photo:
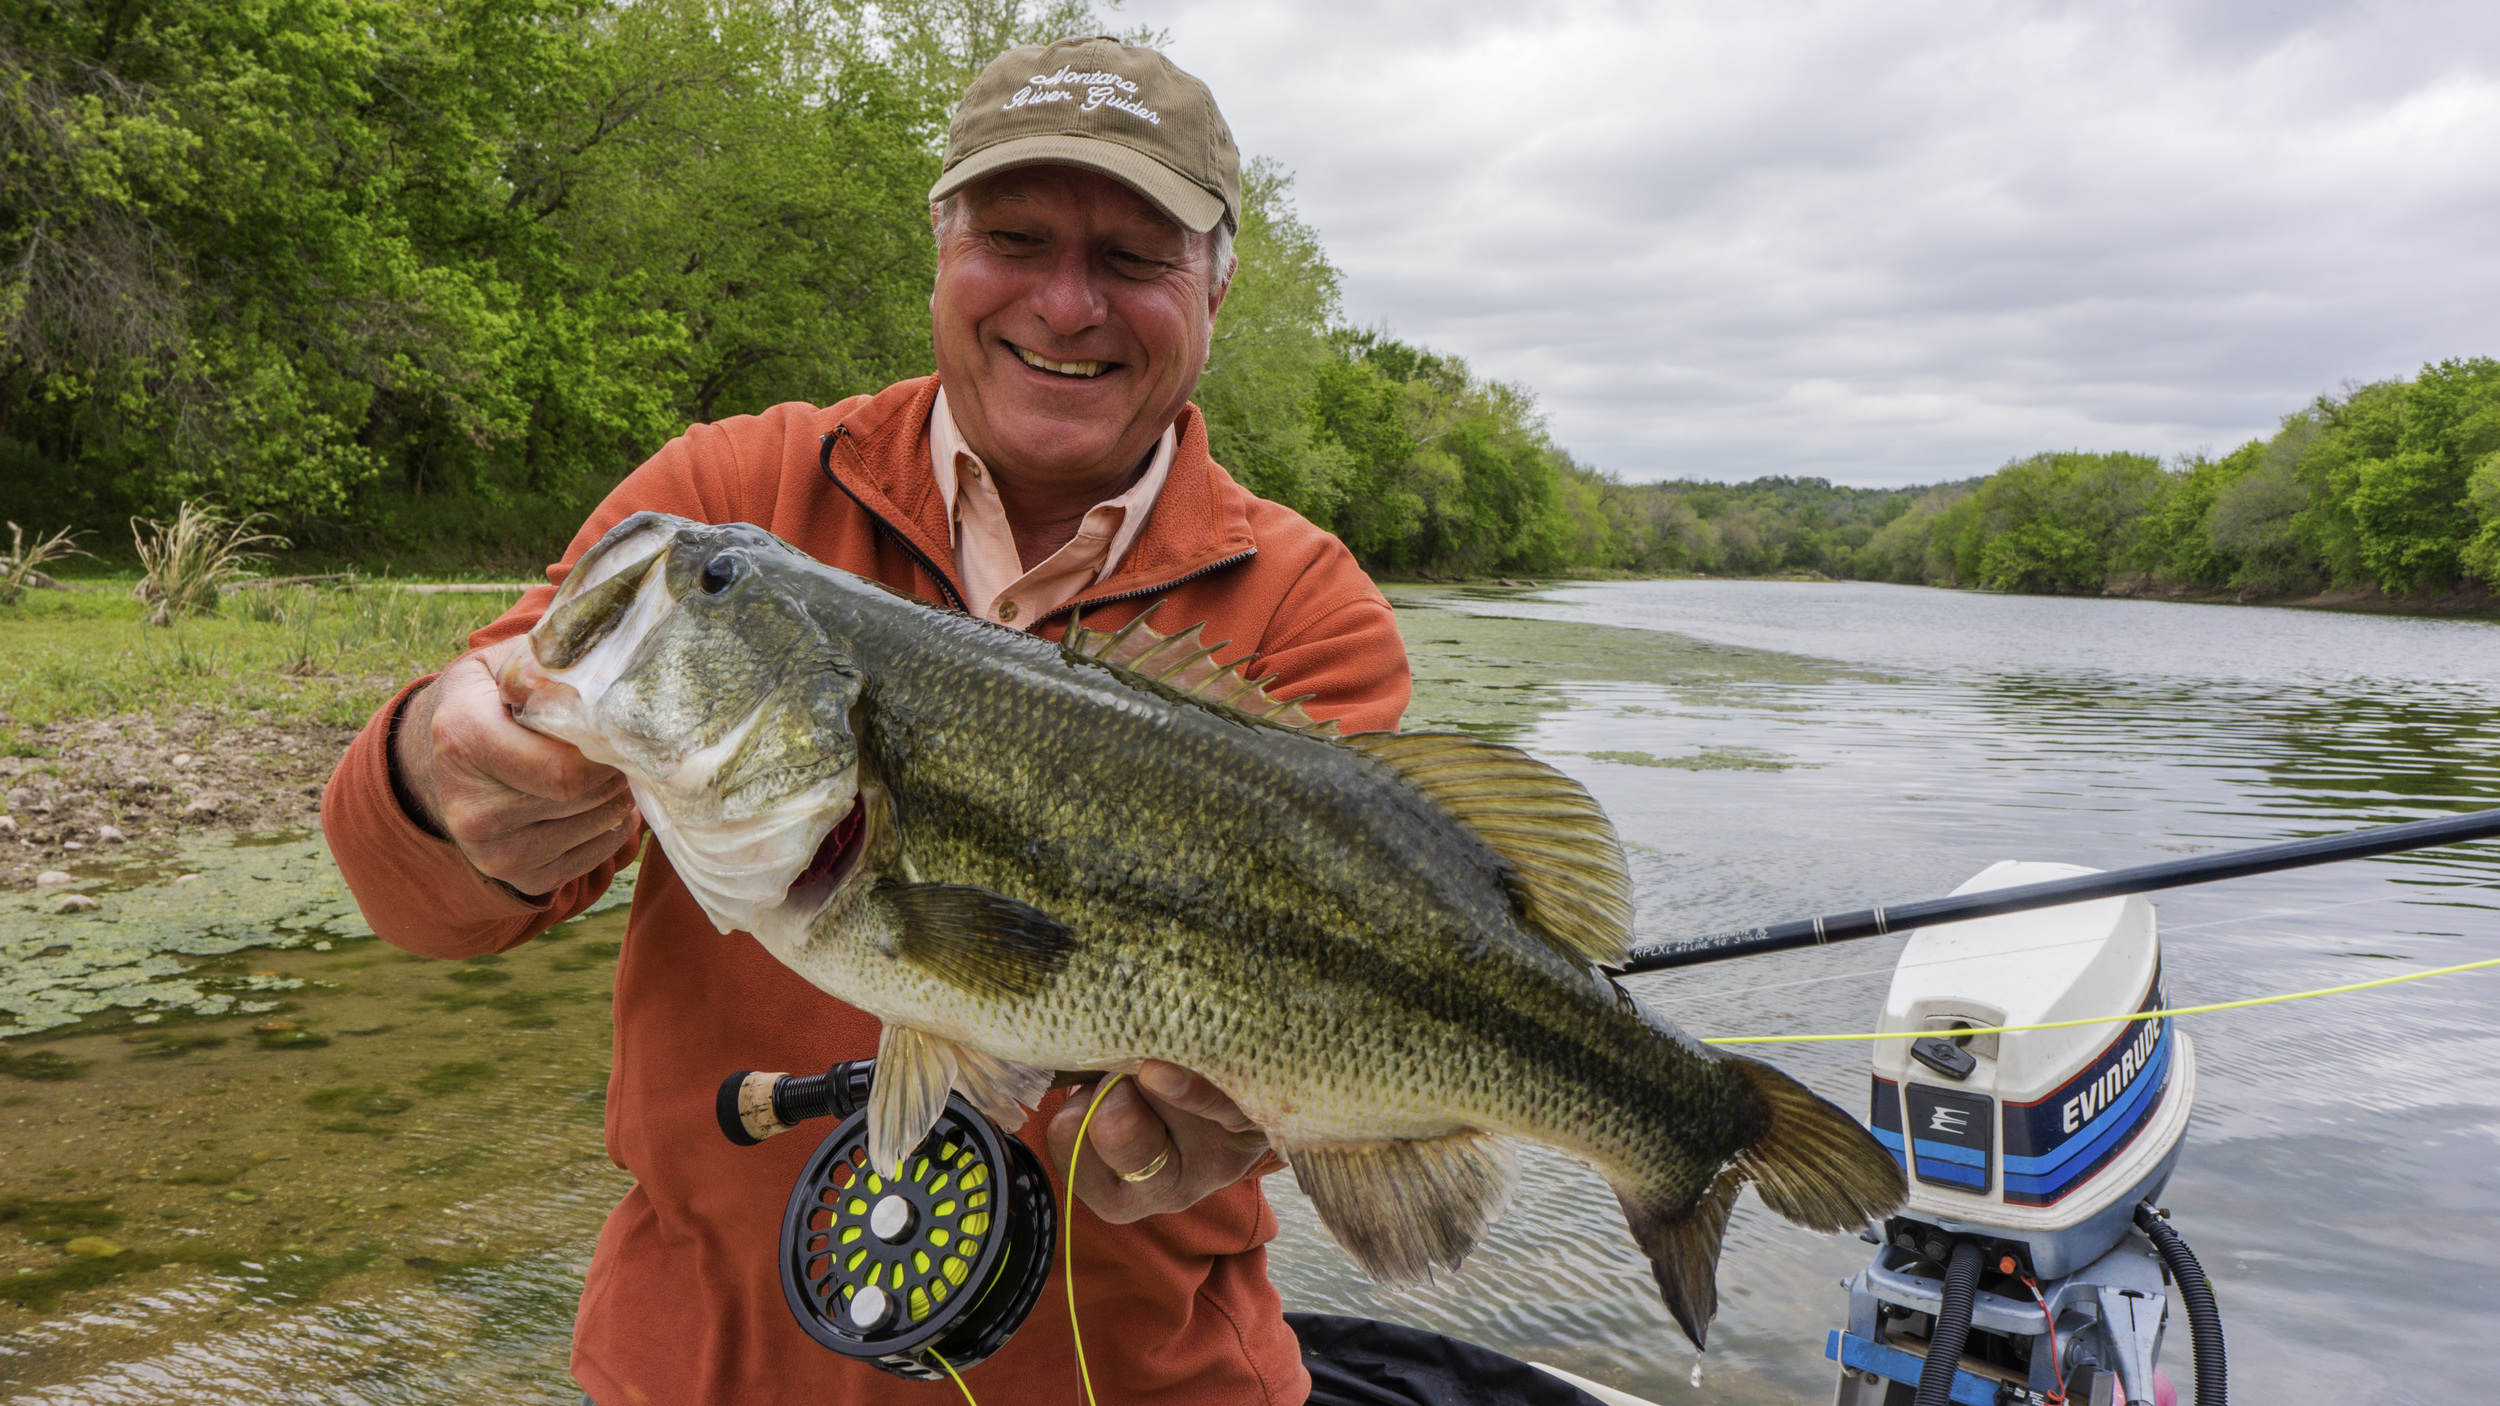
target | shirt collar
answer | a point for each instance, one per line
(1137, 504)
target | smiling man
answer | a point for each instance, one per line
(1053, 466)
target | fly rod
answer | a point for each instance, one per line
(2116, 883)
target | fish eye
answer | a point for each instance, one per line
(719, 574)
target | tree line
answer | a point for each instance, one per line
(425, 278)
(422, 279)
(2393, 485)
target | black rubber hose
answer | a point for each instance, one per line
(1952, 1331)
(2197, 1293)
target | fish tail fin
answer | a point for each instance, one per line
(1682, 1242)
(1813, 1163)
(1810, 1161)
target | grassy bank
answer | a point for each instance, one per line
(287, 654)
(120, 740)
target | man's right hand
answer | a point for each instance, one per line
(524, 808)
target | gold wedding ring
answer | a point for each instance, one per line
(1147, 1172)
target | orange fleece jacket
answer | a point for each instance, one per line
(683, 1304)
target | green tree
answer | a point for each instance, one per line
(2070, 520)
(2399, 471)
(1263, 389)
(339, 258)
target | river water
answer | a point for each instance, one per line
(1826, 746)
(1768, 750)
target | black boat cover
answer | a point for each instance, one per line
(1364, 1362)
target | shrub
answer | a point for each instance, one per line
(184, 566)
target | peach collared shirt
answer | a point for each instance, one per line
(996, 585)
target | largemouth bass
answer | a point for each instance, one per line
(1025, 856)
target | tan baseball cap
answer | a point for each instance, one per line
(1104, 106)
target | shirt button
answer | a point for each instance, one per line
(969, 469)
(1006, 610)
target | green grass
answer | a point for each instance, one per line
(300, 653)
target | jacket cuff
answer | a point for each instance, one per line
(397, 713)
(416, 888)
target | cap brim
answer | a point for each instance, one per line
(1173, 193)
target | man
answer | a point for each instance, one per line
(1054, 464)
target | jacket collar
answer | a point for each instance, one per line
(879, 455)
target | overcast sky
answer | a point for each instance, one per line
(1888, 243)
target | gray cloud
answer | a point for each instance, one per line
(1889, 244)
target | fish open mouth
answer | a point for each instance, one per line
(834, 860)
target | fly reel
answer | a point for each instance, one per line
(943, 1261)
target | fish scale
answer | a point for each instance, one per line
(1071, 857)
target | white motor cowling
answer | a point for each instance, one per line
(2049, 1137)
(2028, 1154)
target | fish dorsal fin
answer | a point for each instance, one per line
(1569, 882)
(1186, 664)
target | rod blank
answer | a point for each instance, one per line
(2083, 888)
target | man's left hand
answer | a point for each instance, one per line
(1212, 1145)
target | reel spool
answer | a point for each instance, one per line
(947, 1259)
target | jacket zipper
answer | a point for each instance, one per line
(1155, 590)
(824, 461)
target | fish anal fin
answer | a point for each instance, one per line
(1570, 884)
(1185, 664)
(1403, 1208)
(915, 1072)
(1682, 1243)
(1002, 1089)
(978, 941)
(1812, 1162)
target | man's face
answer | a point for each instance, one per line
(1071, 319)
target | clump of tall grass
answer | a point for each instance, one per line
(17, 569)
(187, 564)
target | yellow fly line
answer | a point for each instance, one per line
(2106, 1019)
(958, 1376)
(1067, 1238)
(1067, 1233)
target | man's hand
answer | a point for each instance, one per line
(524, 808)
(1212, 1145)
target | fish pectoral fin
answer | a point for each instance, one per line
(1682, 1243)
(982, 942)
(1568, 880)
(915, 1072)
(1003, 1089)
(1402, 1208)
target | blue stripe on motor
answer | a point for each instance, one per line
(1888, 1138)
(2155, 1072)
(1955, 1175)
(1947, 1152)
(2088, 1141)
(2051, 1185)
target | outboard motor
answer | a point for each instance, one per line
(2029, 1264)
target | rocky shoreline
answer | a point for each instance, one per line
(99, 793)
